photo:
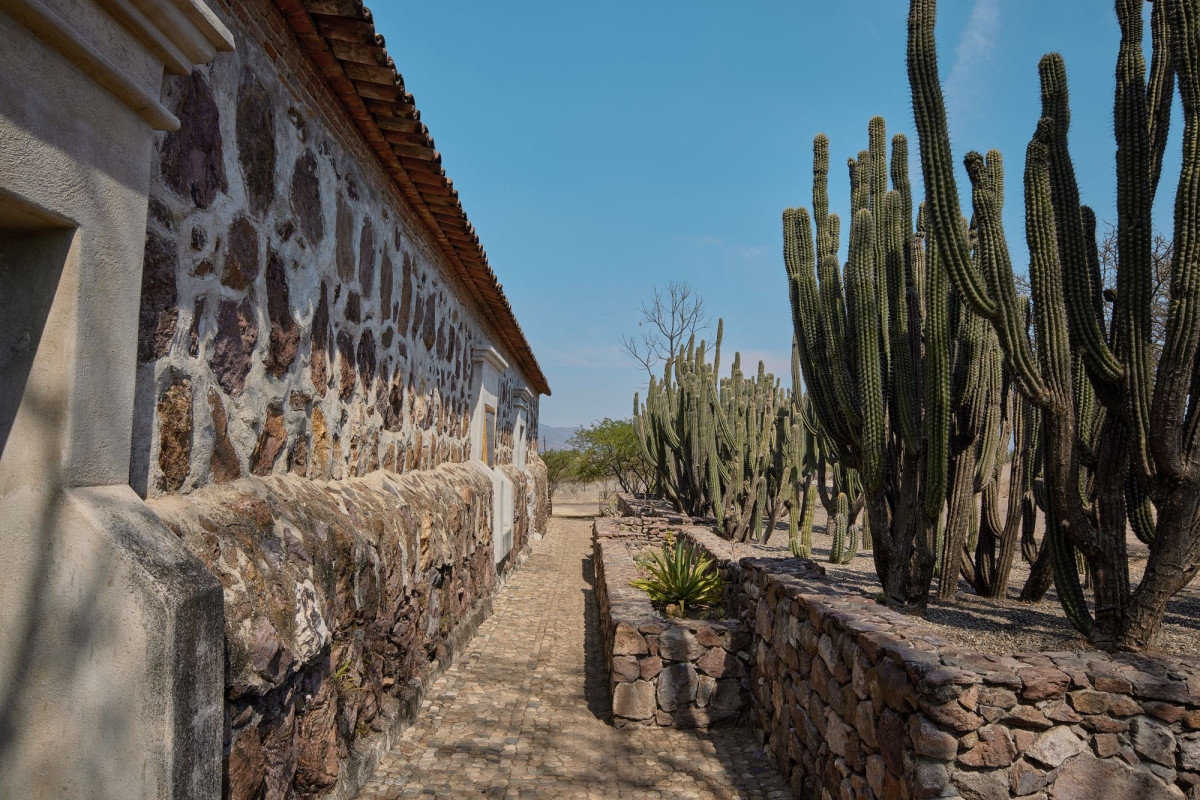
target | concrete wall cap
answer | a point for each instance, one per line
(489, 355)
(179, 33)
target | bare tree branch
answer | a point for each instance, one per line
(1161, 252)
(640, 351)
(668, 319)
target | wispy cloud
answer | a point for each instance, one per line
(587, 356)
(734, 250)
(975, 49)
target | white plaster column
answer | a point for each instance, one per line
(488, 366)
(111, 632)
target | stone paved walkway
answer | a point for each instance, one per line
(515, 717)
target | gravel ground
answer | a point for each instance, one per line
(1002, 625)
(1007, 625)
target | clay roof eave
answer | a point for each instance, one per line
(340, 38)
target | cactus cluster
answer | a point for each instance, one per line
(860, 332)
(906, 378)
(986, 416)
(731, 448)
(1119, 438)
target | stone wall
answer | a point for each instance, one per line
(538, 497)
(297, 317)
(342, 600)
(680, 673)
(857, 701)
(304, 399)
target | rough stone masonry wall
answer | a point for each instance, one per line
(296, 316)
(859, 701)
(680, 673)
(538, 496)
(305, 367)
(341, 599)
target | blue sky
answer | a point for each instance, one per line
(601, 149)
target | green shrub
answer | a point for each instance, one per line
(683, 577)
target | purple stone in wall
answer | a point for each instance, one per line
(418, 317)
(237, 334)
(285, 333)
(353, 309)
(385, 284)
(256, 142)
(406, 291)
(193, 162)
(366, 258)
(345, 241)
(428, 334)
(306, 197)
(241, 255)
(366, 358)
(319, 337)
(160, 298)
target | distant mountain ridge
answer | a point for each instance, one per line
(552, 438)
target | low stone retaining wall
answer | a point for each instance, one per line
(343, 601)
(855, 697)
(671, 672)
(857, 701)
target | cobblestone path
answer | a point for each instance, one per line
(516, 717)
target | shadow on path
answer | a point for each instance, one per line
(524, 712)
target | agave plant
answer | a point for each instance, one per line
(681, 576)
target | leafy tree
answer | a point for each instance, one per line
(561, 467)
(609, 449)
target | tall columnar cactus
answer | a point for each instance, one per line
(939, 538)
(998, 535)
(838, 543)
(980, 433)
(875, 348)
(844, 545)
(1144, 426)
(794, 448)
(800, 538)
